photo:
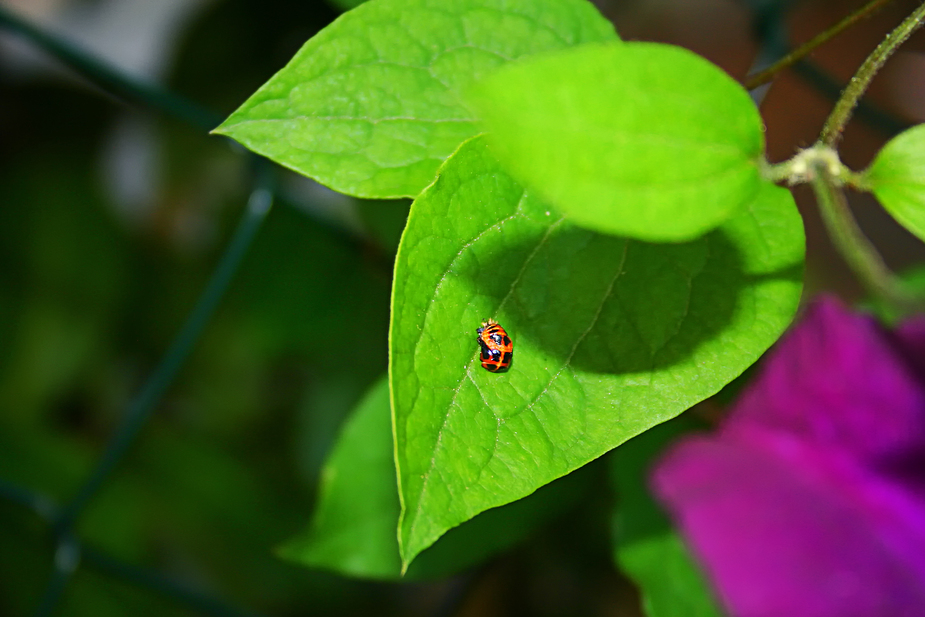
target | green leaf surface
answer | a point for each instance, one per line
(643, 140)
(353, 528)
(897, 178)
(646, 547)
(371, 105)
(611, 336)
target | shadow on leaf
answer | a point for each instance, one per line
(605, 304)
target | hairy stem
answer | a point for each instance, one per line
(858, 85)
(765, 75)
(854, 246)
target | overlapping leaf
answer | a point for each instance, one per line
(611, 336)
(371, 106)
(640, 139)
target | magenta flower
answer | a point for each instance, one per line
(810, 499)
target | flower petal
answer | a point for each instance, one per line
(810, 499)
(836, 380)
(776, 543)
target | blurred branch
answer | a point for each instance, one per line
(141, 577)
(67, 558)
(106, 77)
(143, 405)
(68, 551)
(37, 502)
(858, 85)
(764, 76)
(115, 82)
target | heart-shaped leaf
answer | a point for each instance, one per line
(370, 106)
(611, 336)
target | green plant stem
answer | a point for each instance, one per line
(858, 85)
(765, 75)
(854, 246)
(110, 80)
(851, 243)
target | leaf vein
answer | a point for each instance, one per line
(582, 336)
(429, 473)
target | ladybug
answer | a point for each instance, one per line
(497, 348)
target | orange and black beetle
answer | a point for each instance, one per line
(497, 348)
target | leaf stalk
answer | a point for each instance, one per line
(854, 247)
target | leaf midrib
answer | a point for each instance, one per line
(429, 473)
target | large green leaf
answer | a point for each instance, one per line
(646, 546)
(371, 105)
(897, 178)
(353, 529)
(644, 140)
(611, 336)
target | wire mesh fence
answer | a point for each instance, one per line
(70, 552)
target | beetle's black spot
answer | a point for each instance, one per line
(507, 357)
(507, 340)
(497, 338)
(486, 354)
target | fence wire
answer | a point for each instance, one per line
(70, 552)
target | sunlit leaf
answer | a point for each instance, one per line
(371, 105)
(643, 140)
(611, 336)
